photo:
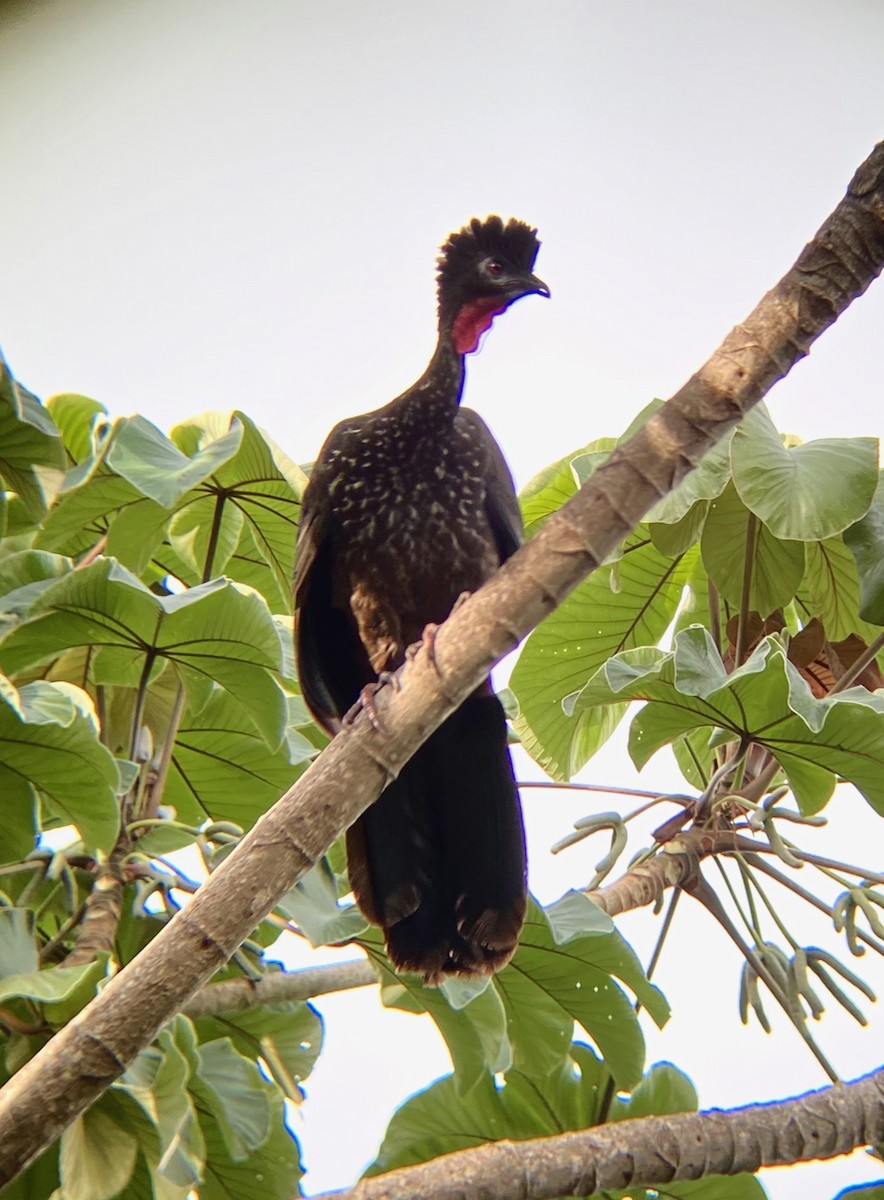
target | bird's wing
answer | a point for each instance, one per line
(501, 503)
(332, 662)
(312, 594)
(310, 537)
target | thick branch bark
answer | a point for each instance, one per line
(100, 918)
(95, 1048)
(652, 1151)
(671, 867)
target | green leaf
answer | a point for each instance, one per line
(865, 540)
(558, 482)
(678, 537)
(25, 575)
(63, 990)
(18, 950)
(664, 1089)
(31, 451)
(74, 417)
(239, 1104)
(765, 701)
(711, 1187)
(223, 770)
(261, 482)
(58, 1013)
(86, 509)
(313, 905)
(135, 533)
(97, 1157)
(158, 1082)
(152, 463)
(603, 615)
(291, 1032)
(250, 566)
(830, 590)
(135, 467)
(558, 976)
(205, 533)
(475, 1031)
(707, 481)
(777, 566)
(216, 632)
(695, 758)
(49, 743)
(441, 1120)
(19, 823)
(808, 492)
(276, 1163)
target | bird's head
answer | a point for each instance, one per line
(483, 269)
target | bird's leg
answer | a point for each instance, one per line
(428, 637)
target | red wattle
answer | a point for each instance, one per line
(472, 321)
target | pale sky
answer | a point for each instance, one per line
(210, 204)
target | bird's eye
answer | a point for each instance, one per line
(494, 267)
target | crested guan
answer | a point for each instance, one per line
(407, 508)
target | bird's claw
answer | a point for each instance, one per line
(428, 643)
(366, 703)
(428, 637)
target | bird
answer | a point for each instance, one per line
(407, 508)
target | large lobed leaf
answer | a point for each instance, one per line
(32, 457)
(50, 753)
(222, 769)
(216, 633)
(865, 541)
(566, 969)
(262, 487)
(765, 701)
(627, 604)
(440, 1120)
(809, 491)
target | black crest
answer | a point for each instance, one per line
(515, 242)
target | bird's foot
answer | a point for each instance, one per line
(428, 643)
(366, 703)
(428, 637)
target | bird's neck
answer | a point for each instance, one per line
(440, 387)
(438, 391)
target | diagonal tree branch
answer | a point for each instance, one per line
(95, 1048)
(647, 1152)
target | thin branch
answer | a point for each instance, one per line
(239, 995)
(599, 788)
(84, 1058)
(647, 1152)
(703, 894)
(159, 783)
(760, 864)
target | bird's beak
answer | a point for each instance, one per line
(526, 285)
(538, 287)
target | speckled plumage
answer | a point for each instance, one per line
(408, 507)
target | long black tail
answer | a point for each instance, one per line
(439, 861)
